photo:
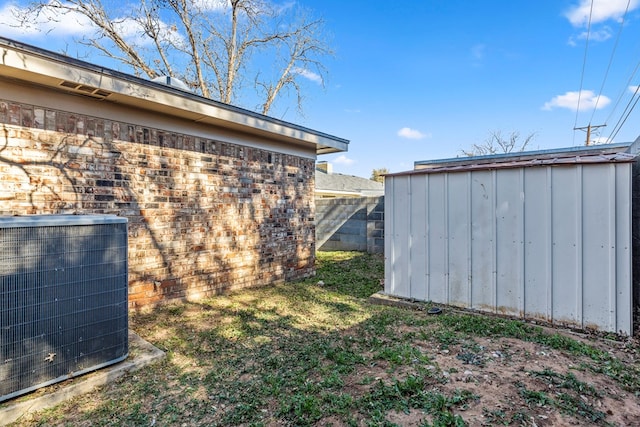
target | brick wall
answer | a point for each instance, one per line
(350, 224)
(204, 215)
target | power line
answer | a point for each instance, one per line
(613, 52)
(627, 111)
(623, 91)
(622, 120)
(584, 64)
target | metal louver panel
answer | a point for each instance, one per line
(63, 298)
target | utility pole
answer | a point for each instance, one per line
(588, 129)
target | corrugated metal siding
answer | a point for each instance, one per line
(548, 242)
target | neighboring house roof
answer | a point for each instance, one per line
(339, 185)
(23, 62)
(606, 153)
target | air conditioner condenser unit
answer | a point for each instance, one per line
(63, 298)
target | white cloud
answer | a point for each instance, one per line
(9, 24)
(132, 32)
(599, 35)
(308, 74)
(343, 160)
(603, 10)
(411, 133)
(634, 89)
(212, 5)
(49, 22)
(594, 36)
(585, 100)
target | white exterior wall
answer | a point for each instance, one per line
(551, 243)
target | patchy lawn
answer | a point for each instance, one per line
(320, 354)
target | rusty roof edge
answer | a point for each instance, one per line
(614, 155)
(553, 152)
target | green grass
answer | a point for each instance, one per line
(350, 273)
(569, 396)
(304, 354)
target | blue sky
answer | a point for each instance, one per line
(419, 80)
(453, 71)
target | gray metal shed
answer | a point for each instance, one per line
(537, 235)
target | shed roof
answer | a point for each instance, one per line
(608, 153)
(27, 63)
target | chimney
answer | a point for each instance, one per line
(325, 167)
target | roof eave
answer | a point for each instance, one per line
(28, 63)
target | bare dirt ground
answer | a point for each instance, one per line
(510, 363)
(527, 384)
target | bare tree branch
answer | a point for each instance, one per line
(186, 16)
(150, 23)
(214, 46)
(300, 48)
(496, 144)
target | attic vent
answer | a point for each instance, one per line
(71, 85)
(83, 88)
(173, 82)
(101, 92)
(87, 90)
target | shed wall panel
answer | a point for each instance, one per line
(623, 292)
(537, 242)
(549, 242)
(400, 231)
(459, 239)
(482, 240)
(437, 238)
(509, 247)
(598, 252)
(419, 241)
(566, 238)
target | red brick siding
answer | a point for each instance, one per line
(204, 215)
